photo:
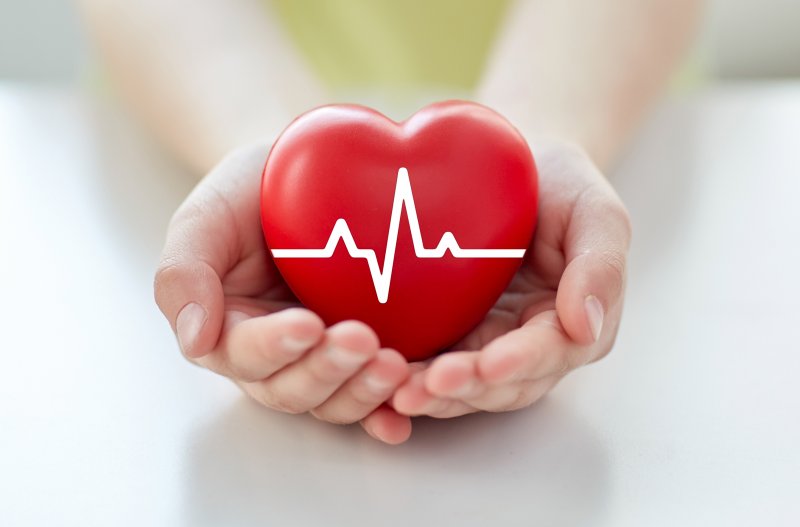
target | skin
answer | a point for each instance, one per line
(232, 317)
(561, 311)
(576, 91)
(239, 321)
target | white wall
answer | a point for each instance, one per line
(41, 40)
(751, 38)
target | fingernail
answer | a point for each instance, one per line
(296, 346)
(594, 313)
(345, 358)
(188, 325)
(376, 385)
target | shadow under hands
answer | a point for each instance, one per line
(252, 466)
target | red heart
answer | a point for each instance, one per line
(337, 169)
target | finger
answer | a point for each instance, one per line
(258, 347)
(596, 248)
(413, 399)
(307, 383)
(513, 396)
(538, 349)
(202, 245)
(364, 392)
(452, 408)
(454, 375)
(189, 294)
(385, 424)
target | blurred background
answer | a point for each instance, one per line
(692, 420)
(42, 41)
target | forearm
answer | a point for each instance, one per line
(206, 76)
(586, 71)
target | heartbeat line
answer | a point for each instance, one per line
(382, 279)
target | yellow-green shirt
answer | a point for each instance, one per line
(394, 43)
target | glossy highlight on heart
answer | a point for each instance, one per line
(414, 228)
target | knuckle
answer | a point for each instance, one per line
(324, 370)
(614, 262)
(531, 392)
(565, 364)
(244, 363)
(280, 401)
(357, 325)
(325, 373)
(501, 399)
(522, 399)
(570, 360)
(362, 396)
(168, 273)
(295, 311)
(608, 266)
(357, 333)
(240, 371)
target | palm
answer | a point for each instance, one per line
(252, 283)
(549, 319)
(255, 284)
(216, 261)
(534, 286)
(217, 271)
(526, 296)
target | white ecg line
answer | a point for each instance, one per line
(382, 279)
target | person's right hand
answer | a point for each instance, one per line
(233, 313)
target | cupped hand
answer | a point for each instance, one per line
(561, 310)
(233, 314)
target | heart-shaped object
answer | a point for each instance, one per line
(414, 228)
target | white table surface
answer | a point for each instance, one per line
(694, 419)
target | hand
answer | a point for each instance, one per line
(561, 310)
(233, 314)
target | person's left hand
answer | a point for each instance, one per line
(561, 310)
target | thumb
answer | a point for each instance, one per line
(189, 294)
(203, 244)
(187, 285)
(591, 288)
